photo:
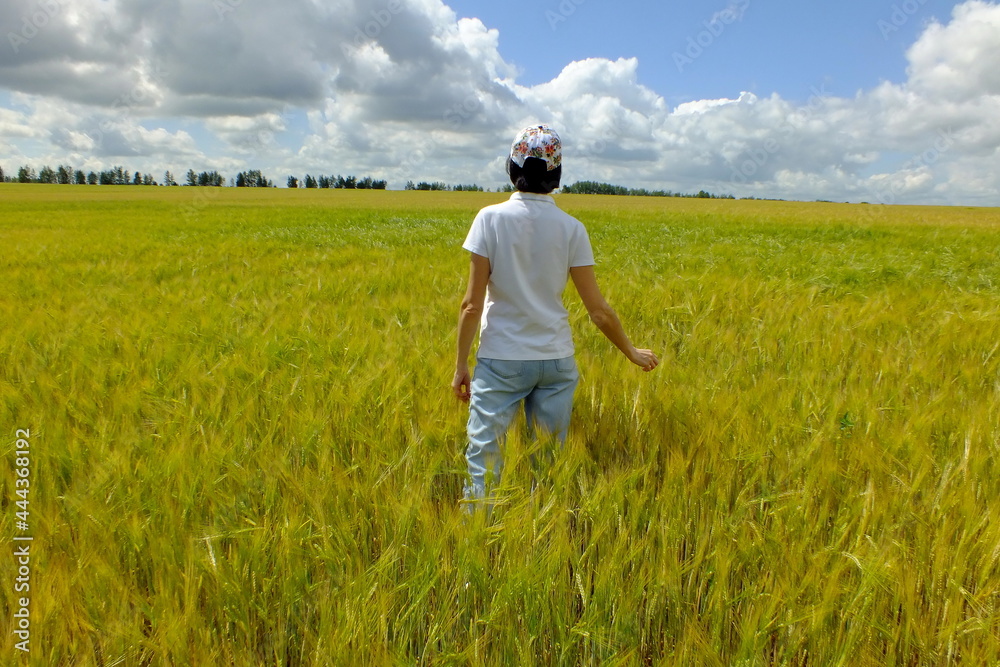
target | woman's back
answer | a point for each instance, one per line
(531, 245)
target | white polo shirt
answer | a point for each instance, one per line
(531, 244)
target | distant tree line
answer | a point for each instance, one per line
(64, 175)
(253, 178)
(338, 182)
(595, 188)
(205, 179)
(120, 176)
(438, 185)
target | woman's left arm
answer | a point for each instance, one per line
(468, 321)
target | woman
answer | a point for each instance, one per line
(523, 252)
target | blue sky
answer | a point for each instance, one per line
(787, 48)
(891, 101)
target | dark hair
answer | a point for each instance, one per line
(534, 176)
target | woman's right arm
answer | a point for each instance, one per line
(606, 319)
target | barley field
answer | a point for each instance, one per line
(244, 449)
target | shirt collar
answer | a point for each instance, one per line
(531, 196)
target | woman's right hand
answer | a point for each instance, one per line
(645, 359)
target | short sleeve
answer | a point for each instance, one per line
(475, 241)
(580, 252)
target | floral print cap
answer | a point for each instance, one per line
(539, 141)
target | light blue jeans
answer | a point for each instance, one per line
(498, 387)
